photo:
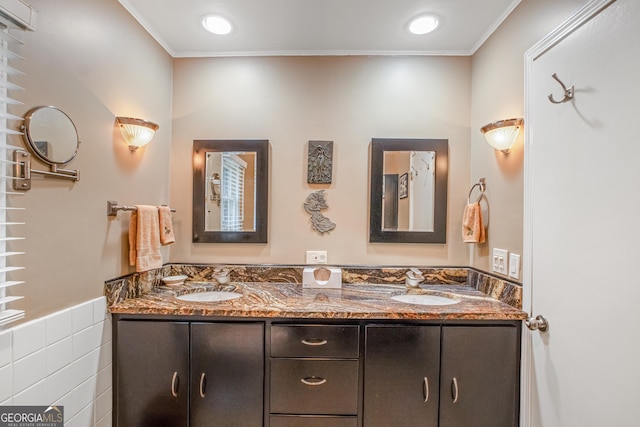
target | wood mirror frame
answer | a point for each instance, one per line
(200, 150)
(376, 231)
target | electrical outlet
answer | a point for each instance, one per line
(316, 257)
(500, 262)
(514, 266)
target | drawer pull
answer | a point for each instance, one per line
(203, 385)
(314, 341)
(174, 385)
(454, 389)
(425, 389)
(313, 381)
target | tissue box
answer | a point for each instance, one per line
(322, 277)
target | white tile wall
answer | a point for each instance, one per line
(27, 339)
(5, 348)
(57, 326)
(61, 359)
(28, 370)
(6, 378)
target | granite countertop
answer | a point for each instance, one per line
(290, 300)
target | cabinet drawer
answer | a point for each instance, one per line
(314, 341)
(311, 421)
(305, 386)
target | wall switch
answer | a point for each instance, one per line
(514, 266)
(316, 257)
(500, 261)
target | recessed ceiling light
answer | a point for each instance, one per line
(216, 24)
(423, 24)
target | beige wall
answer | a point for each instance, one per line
(92, 60)
(348, 100)
(497, 92)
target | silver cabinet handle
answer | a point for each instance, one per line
(174, 385)
(425, 389)
(313, 381)
(203, 384)
(314, 341)
(454, 389)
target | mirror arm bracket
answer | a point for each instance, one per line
(22, 171)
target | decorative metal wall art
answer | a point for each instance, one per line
(320, 162)
(403, 190)
(313, 205)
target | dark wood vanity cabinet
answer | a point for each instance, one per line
(314, 375)
(227, 374)
(447, 376)
(358, 374)
(402, 375)
(189, 374)
(152, 374)
(479, 378)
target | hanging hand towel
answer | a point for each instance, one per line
(166, 225)
(144, 238)
(472, 225)
(133, 235)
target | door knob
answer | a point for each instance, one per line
(539, 323)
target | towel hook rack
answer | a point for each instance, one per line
(568, 93)
(113, 208)
(482, 186)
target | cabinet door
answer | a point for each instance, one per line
(480, 376)
(227, 371)
(152, 373)
(401, 376)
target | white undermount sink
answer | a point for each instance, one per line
(212, 296)
(424, 299)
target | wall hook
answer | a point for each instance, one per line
(568, 93)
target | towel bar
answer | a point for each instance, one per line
(113, 208)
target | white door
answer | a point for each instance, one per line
(582, 222)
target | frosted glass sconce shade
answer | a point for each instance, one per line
(502, 134)
(136, 132)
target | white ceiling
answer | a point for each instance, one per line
(319, 27)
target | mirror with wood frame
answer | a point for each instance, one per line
(408, 202)
(230, 191)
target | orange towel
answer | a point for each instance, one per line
(144, 238)
(166, 225)
(133, 236)
(472, 225)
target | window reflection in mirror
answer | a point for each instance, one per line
(230, 193)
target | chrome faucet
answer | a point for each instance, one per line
(413, 278)
(221, 275)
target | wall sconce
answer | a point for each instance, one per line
(502, 134)
(136, 132)
(215, 188)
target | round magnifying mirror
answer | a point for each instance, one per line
(51, 135)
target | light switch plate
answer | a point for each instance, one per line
(316, 257)
(514, 266)
(500, 261)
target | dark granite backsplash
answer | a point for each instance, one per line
(137, 284)
(496, 287)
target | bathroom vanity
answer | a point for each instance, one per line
(284, 356)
